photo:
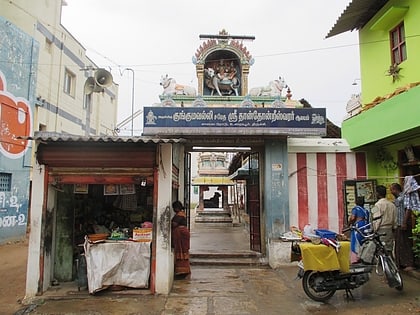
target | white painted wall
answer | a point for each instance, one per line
(53, 62)
(34, 247)
(164, 254)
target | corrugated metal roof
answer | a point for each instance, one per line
(57, 137)
(356, 15)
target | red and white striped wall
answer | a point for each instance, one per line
(317, 171)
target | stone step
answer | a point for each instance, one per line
(242, 258)
(214, 217)
(215, 213)
(225, 254)
(228, 262)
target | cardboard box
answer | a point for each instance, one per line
(142, 234)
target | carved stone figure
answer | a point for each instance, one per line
(274, 88)
(224, 82)
(170, 87)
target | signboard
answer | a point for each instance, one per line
(234, 121)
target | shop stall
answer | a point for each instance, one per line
(112, 229)
(96, 186)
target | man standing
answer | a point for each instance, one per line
(404, 256)
(384, 216)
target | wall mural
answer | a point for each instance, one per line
(16, 122)
(18, 72)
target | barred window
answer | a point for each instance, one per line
(5, 182)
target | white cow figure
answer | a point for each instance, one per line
(170, 87)
(274, 88)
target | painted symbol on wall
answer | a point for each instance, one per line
(15, 120)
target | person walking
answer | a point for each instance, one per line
(180, 240)
(404, 256)
(384, 218)
(360, 218)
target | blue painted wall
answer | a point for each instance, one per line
(18, 68)
(276, 188)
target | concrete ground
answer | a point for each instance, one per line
(214, 290)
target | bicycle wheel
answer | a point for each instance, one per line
(392, 274)
(312, 282)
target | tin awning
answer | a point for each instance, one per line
(356, 15)
(44, 136)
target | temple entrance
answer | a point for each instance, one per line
(225, 202)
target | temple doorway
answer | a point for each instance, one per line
(225, 201)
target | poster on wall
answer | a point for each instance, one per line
(81, 188)
(111, 189)
(127, 189)
(358, 188)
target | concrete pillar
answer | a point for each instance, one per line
(34, 247)
(276, 191)
(225, 199)
(201, 198)
(164, 256)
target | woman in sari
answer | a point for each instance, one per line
(181, 240)
(360, 218)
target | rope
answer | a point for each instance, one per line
(323, 173)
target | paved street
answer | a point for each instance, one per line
(214, 290)
(217, 291)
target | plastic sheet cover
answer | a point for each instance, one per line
(324, 258)
(122, 263)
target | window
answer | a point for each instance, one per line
(398, 48)
(69, 83)
(206, 164)
(220, 163)
(5, 182)
(88, 102)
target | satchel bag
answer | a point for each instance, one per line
(367, 252)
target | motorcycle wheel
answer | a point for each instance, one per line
(393, 275)
(311, 279)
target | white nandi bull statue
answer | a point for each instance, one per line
(222, 85)
(274, 88)
(170, 87)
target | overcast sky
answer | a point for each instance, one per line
(160, 37)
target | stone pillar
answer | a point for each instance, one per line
(200, 78)
(225, 198)
(244, 79)
(200, 198)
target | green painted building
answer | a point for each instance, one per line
(387, 125)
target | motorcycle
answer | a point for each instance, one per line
(320, 286)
